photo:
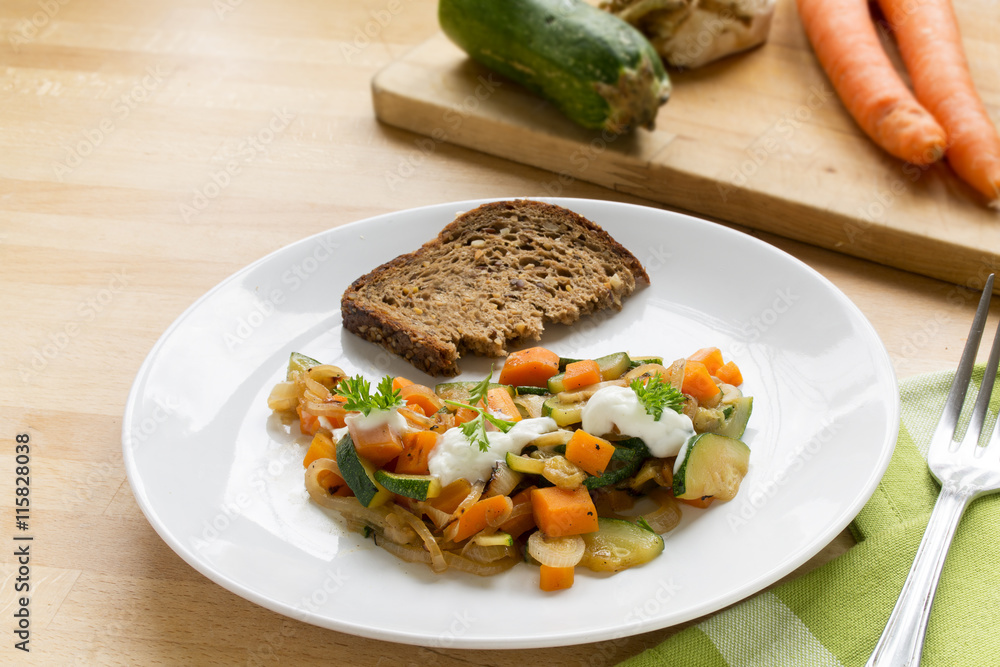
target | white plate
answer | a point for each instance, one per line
(220, 479)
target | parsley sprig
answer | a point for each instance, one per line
(657, 395)
(357, 391)
(475, 429)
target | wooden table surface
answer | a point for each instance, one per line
(149, 149)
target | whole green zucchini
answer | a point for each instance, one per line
(594, 67)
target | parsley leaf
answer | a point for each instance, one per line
(657, 395)
(357, 391)
(475, 429)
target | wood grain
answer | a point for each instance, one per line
(95, 264)
(760, 139)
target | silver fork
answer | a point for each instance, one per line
(966, 471)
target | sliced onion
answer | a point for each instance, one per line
(649, 370)
(325, 409)
(584, 394)
(398, 531)
(668, 513)
(502, 517)
(482, 569)
(421, 422)
(556, 551)
(470, 500)
(532, 404)
(729, 393)
(349, 506)
(409, 554)
(284, 396)
(437, 559)
(325, 372)
(503, 481)
(317, 389)
(438, 518)
(480, 554)
(563, 473)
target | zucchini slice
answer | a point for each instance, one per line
(418, 487)
(594, 67)
(299, 362)
(360, 475)
(713, 466)
(627, 459)
(618, 545)
(525, 464)
(736, 421)
(564, 414)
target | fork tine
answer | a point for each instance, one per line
(985, 392)
(945, 430)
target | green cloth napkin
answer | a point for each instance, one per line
(836, 613)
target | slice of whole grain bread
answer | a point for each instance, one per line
(492, 278)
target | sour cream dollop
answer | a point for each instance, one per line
(619, 406)
(376, 418)
(454, 457)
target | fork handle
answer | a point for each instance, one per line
(902, 641)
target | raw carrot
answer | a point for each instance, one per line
(710, 356)
(519, 525)
(560, 512)
(931, 47)
(417, 446)
(451, 496)
(418, 394)
(321, 447)
(378, 445)
(400, 382)
(729, 373)
(581, 374)
(500, 404)
(844, 39)
(529, 368)
(698, 381)
(589, 452)
(480, 515)
(555, 578)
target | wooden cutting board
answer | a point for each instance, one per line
(759, 139)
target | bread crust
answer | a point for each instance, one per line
(368, 312)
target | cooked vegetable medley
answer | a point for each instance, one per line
(573, 462)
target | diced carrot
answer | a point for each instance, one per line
(710, 356)
(418, 394)
(463, 415)
(555, 578)
(451, 496)
(560, 512)
(480, 514)
(521, 524)
(581, 374)
(529, 368)
(378, 445)
(417, 446)
(698, 381)
(321, 447)
(334, 484)
(729, 373)
(697, 502)
(400, 382)
(500, 404)
(308, 422)
(589, 452)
